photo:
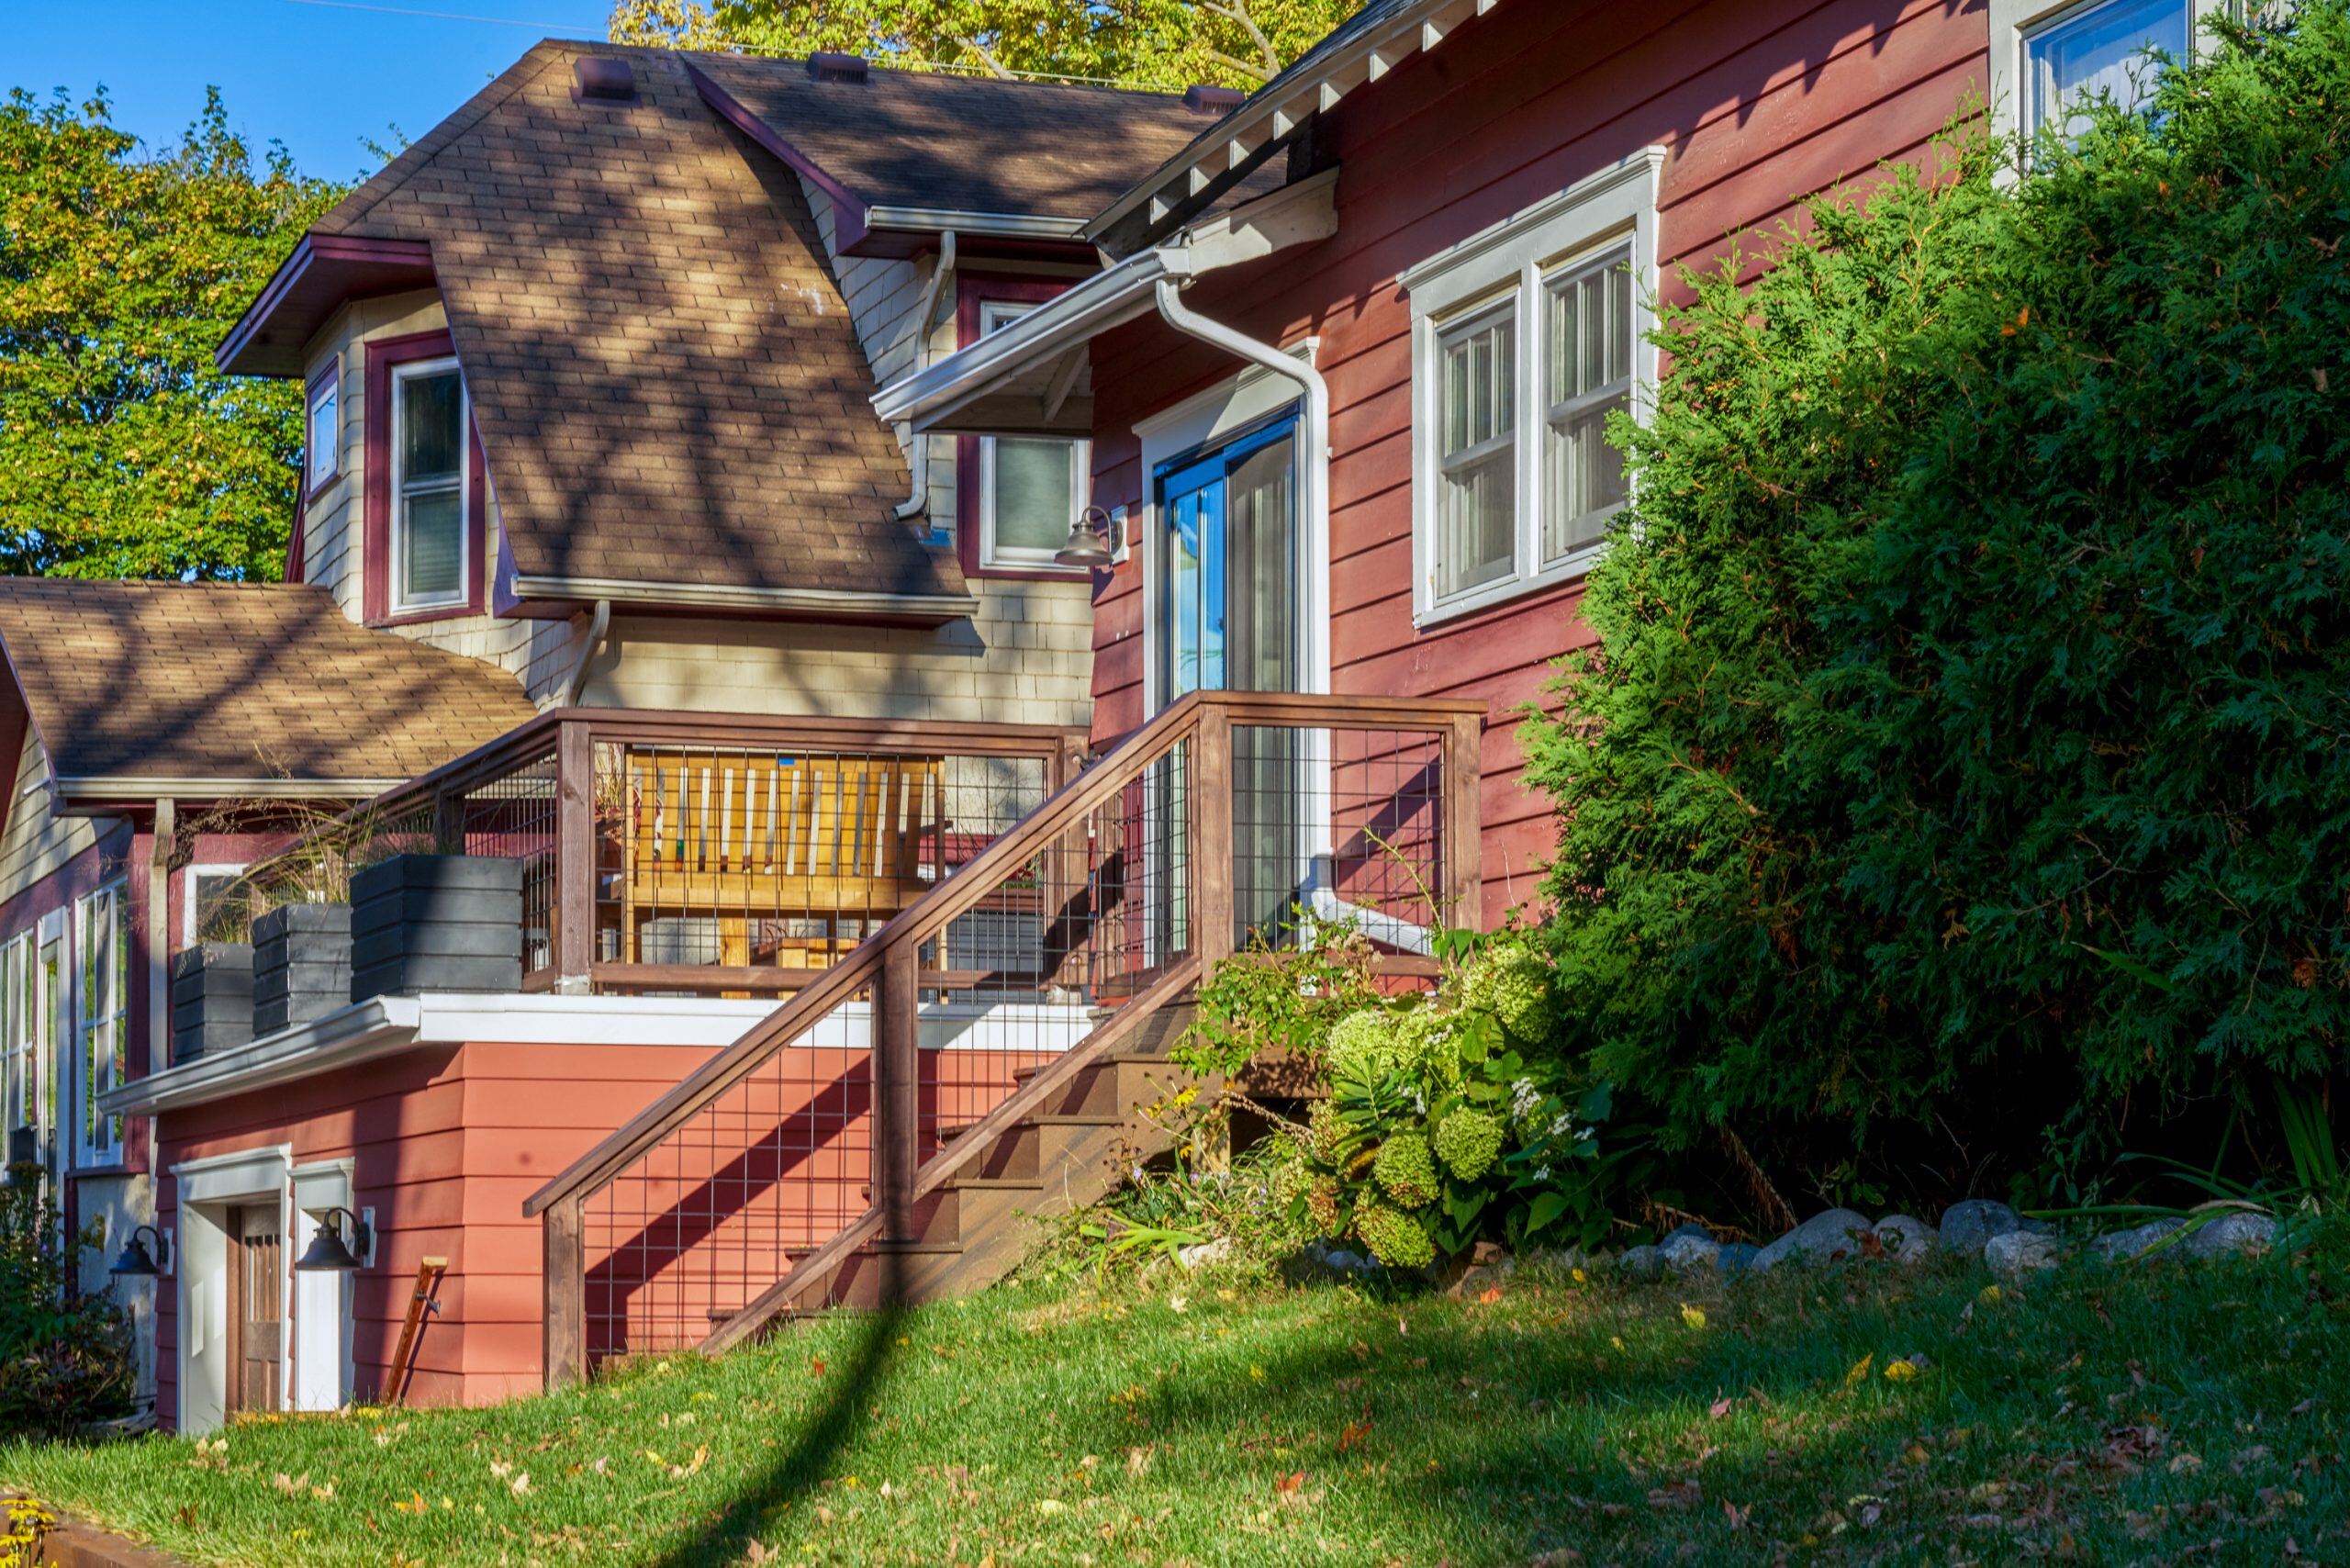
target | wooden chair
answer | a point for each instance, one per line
(778, 850)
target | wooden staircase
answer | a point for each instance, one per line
(976, 1226)
(694, 1223)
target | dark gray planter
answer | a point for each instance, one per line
(421, 922)
(212, 999)
(301, 965)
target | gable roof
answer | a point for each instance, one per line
(138, 690)
(912, 149)
(663, 369)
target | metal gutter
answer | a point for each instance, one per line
(725, 596)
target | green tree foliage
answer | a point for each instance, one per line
(1162, 43)
(122, 451)
(1962, 774)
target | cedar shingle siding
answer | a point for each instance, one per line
(237, 681)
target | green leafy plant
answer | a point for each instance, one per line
(1277, 998)
(64, 1355)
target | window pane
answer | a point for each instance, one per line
(1585, 477)
(431, 418)
(1591, 376)
(325, 435)
(1034, 495)
(1479, 529)
(2102, 48)
(1184, 596)
(432, 537)
(1479, 380)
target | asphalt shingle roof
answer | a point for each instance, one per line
(238, 681)
(664, 373)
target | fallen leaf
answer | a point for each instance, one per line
(1720, 1407)
(1694, 1317)
(1900, 1371)
(1860, 1369)
(1490, 1294)
(1680, 1494)
(1290, 1482)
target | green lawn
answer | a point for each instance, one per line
(2170, 1414)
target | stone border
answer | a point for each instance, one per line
(76, 1544)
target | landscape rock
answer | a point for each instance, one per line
(1689, 1250)
(1736, 1257)
(2015, 1255)
(2232, 1236)
(1822, 1238)
(1642, 1263)
(1906, 1238)
(2122, 1246)
(1967, 1225)
(1204, 1253)
(1678, 1231)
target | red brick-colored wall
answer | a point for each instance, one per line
(1758, 105)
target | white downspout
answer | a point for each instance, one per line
(1314, 506)
(917, 443)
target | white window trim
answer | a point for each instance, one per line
(2014, 21)
(78, 1028)
(397, 565)
(187, 892)
(1619, 203)
(994, 315)
(327, 385)
(203, 1188)
(18, 1001)
(1201, 421)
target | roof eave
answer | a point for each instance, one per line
(732, 599)
(1275, 112)
(308, 286)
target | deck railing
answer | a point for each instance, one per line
(667, 852)
(1231, 819)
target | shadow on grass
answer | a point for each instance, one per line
(726, 1538)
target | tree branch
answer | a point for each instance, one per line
(1236, 11)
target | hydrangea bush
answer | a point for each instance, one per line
(1450, 1118)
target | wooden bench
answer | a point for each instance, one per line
(779, 850)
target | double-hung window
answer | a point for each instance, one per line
(102, 949)
(2050, 58)
(20, 1079)
(1527, 337)
(429, 482)
(1029, 486)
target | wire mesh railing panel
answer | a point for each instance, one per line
(1338, 826)
(690, 1231)
(511, 815)
(779, 862)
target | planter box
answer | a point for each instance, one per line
(422, 923)
(301, 965)
(212, 999)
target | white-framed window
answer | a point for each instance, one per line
(1525, 337)
(1030, 487)
(430, 487)
(2048, 56)
(20, 1074)
(102, 948)
(209, 904)
(323, 428)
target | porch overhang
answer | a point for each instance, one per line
(554, 597)
(1035, 377)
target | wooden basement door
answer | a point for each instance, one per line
(256, 1309)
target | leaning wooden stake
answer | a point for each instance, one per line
(419, 1301)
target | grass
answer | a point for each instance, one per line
(2148, 1416)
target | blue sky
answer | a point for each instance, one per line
(318, 77)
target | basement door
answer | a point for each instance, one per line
(1230, 620)
(256, 1309)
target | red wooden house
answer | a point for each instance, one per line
(838, 953)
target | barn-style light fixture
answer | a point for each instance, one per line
(327, 1252)
(137, 1262)
(1089, 542)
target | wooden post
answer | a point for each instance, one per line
(448, 822)
(1464, 843)
(1212, 834)
(575, 856)
(566, 1266)
(897, 1087)
(159, 935)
